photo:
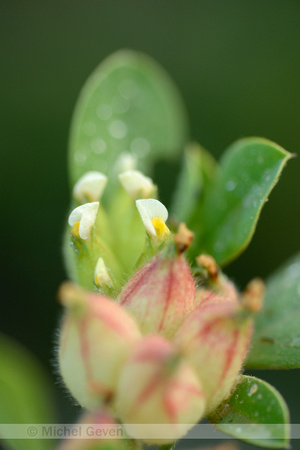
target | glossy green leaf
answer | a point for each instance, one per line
(255, 413)
(129, 104)
(25, 394)
(276, 338)
(198, 170)
(249, 170)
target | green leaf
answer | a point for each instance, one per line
(198, 170)
(250, 169)
(129, 104)
(255, 413)
(25, 394)
(276, 338)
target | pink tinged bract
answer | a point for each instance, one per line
(214, 339)
(93, 346)
(160, 294)
(156, 386)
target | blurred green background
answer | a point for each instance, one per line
(237, 65)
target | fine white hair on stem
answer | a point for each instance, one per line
(150, 209)
(90, 187)
(86, 216)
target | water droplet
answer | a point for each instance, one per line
(104, 112)
(241, 402)
(267, 175)
(218, 246)
(80, 158)
(293, 271)
(236, 396)
(120, 105)
(128, 89)
(295, 342)
(140, 147)
(230, 185)
(259, 396)
(89, 128)
(253, 389)
(98, 146)
(260, 160)
(118, 129)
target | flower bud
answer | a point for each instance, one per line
(223, 291)
(157, 387)
(96, 337)
(160, 294)
(99, 423)
(90, 187)
(214, 339)
(136, 184)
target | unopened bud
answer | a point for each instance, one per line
(214, 340)
(252, 296)
(184, 238)
(160, 294)
(158, 387)
(90, 187)
(209, 263)
(98, 423)
(136, 184)
(94, 343)
(101, 275)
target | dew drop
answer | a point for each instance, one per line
(241, 402)
(98, 146)
(80, 158)
(118, 129)
(104, 112)
(253, 389)
(140, 147)
(218, 246)
(128, 89)
(230, 185)
(120, 105)
(293, 271)
(89, 128)
(295, 342)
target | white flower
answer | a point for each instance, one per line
(90, 187)
(154, 215)
(101, 275)
(126, 161)
(135, 183)
(82, 219)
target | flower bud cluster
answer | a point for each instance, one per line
(164, 351)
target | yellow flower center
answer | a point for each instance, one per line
(75, 229)
(160, 227)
